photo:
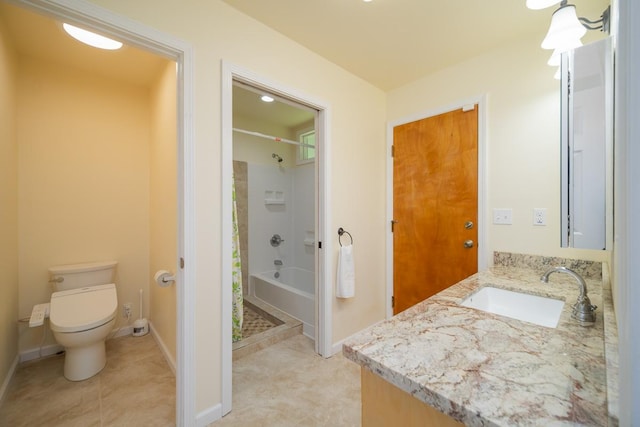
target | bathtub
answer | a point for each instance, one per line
(292, 292)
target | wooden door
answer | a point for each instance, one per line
(435, 205)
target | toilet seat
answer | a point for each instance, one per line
(82, 309)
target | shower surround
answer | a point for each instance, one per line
(279, 200)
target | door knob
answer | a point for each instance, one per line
(468, 244)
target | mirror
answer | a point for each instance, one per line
(587, 146)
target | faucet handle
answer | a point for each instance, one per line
(583, 311)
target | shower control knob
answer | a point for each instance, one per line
(276, 240)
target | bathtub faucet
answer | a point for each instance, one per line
(277, 262)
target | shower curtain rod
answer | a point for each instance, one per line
(273, 138)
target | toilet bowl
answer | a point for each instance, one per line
(82, 318)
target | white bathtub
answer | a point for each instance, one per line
(292, 292)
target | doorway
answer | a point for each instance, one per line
(313, 237)
(436, 202)
(275, 195)
(152, 41)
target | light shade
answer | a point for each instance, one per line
(565, 28)
(92, 39)
(541, 4)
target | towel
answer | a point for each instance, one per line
(346, 283)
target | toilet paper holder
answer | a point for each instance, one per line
(164, 278)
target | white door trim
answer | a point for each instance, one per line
(324, 294)
(483, 248)
(134, 33)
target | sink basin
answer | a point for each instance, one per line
(516, 305)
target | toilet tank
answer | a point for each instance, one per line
(74, 276)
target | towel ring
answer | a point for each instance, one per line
(342, 231)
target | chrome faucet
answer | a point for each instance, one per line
(583, 311)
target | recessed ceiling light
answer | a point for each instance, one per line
(267, 98)
(92, 39)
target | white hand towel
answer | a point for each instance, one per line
(346, 283)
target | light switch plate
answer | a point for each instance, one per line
(503, 216)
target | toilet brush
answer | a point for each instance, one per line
(140, 326)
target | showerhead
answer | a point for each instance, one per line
(278, 158)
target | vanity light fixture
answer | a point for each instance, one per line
(92, 39)
(566, 27)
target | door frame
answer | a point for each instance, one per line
(324, 291)
(483, 248)
(136, 34)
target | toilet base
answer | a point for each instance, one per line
(81, 363)
(85, 353)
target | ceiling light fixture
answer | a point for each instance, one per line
(267, 98)
(92, 39)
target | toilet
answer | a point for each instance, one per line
(82, 314)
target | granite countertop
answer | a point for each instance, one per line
(488, 370)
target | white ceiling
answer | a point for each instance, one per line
(392, 42)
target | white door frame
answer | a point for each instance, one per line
(133, 33)
(324, 293)
(483, 248)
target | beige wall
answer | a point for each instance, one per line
(522, 139)
(357, 137)
(8, 209)
(83, 180)
(163, 205)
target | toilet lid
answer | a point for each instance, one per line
(82, 309)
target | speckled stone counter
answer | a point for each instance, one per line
(487, 370)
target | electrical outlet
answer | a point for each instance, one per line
(503, 216)
(126, 310)
(539, 216)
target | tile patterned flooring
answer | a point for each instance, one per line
(288, 385)
(253, 323)
(136, 388)
(285, 384)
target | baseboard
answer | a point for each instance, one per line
(37, 353)
(337, 347)
(208, 416)
(163, 348)
(8, 378)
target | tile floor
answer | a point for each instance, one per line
(136, 388)
(285, 384)
(253, 323)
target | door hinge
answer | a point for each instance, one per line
(393, 151)
(181, 262)
(393, 301)
(393, 225)
(319, 245)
